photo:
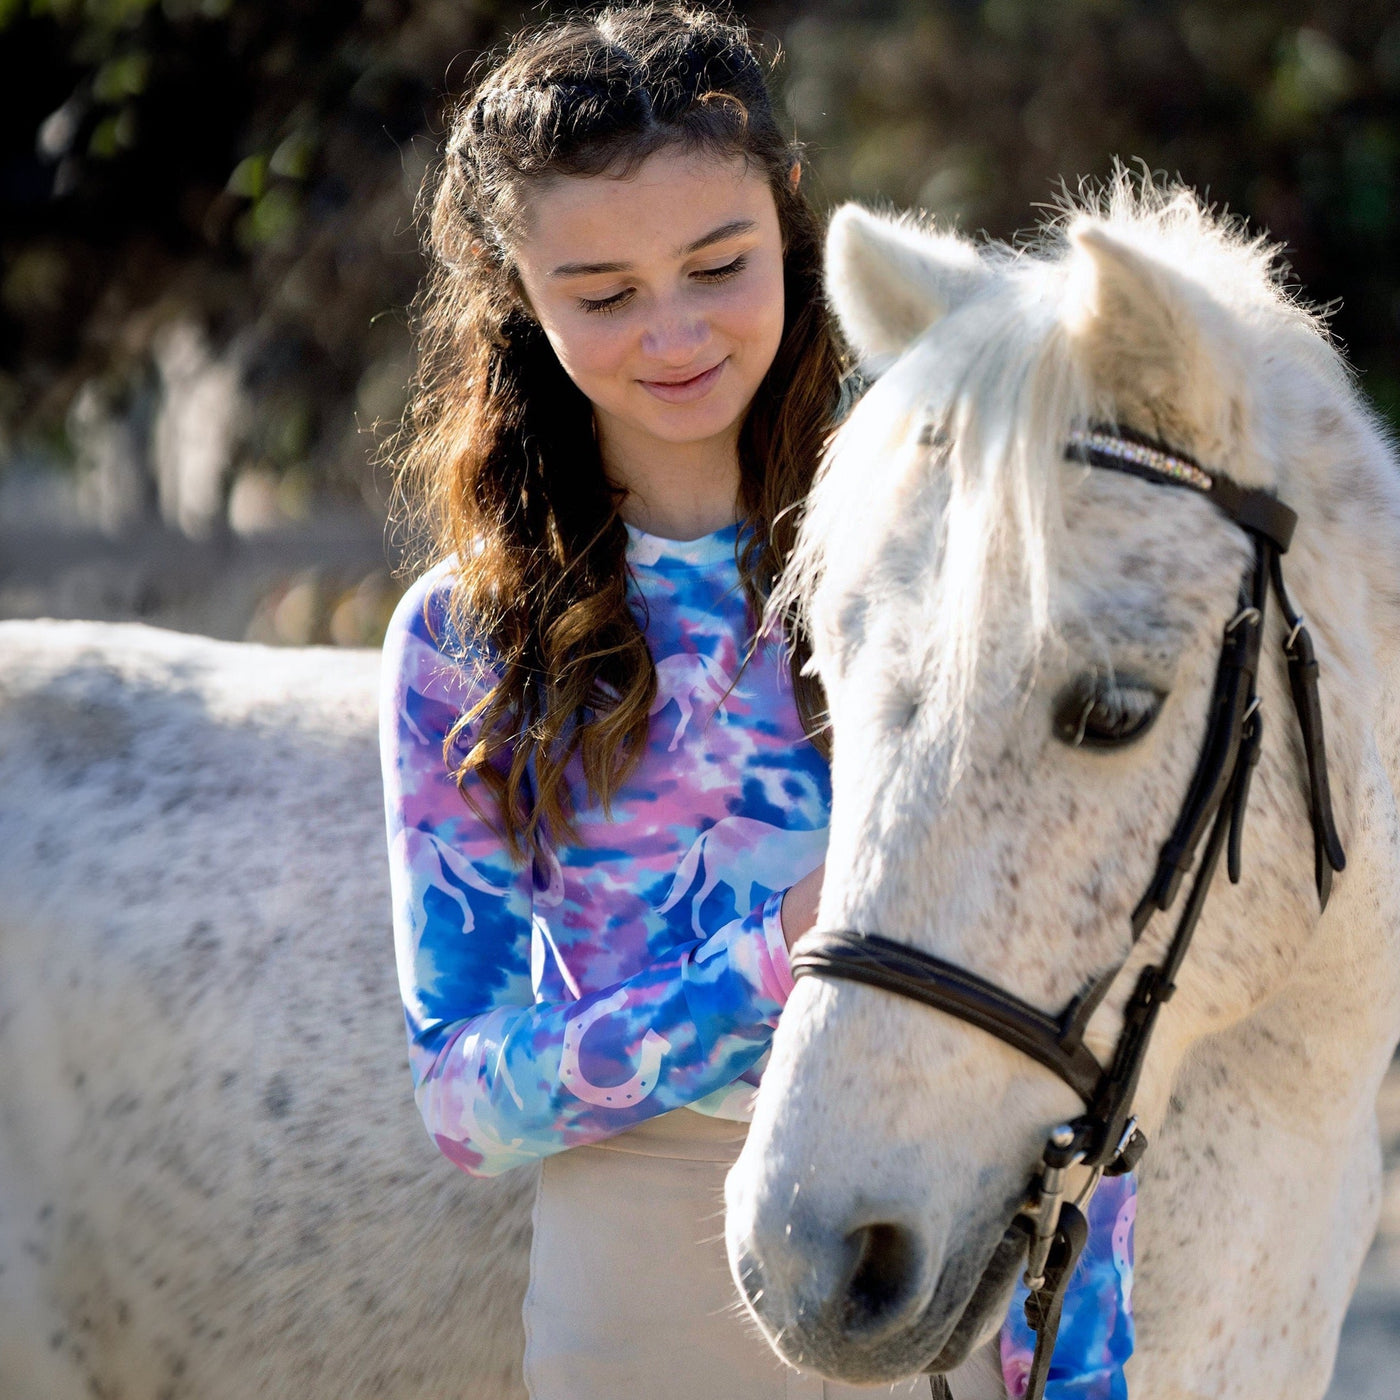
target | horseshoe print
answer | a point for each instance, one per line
(633, 1090)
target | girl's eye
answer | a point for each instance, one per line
(606, 304)
(724, 273)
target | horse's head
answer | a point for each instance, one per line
(1019, 653)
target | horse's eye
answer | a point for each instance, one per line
(1099, 711)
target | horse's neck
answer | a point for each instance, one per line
(1260, 1195)
(1251, 1231)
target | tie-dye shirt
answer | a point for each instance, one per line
(644, 967)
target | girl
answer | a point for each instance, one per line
(606, 810)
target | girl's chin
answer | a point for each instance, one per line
(684, 423)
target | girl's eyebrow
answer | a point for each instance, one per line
(716, 235)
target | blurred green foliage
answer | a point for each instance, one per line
(1286, 112)
(254, 165)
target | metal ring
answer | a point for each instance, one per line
(1293, 635)
(1249, 614)
(1255, 705)
(1129, 1128)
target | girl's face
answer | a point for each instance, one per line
(661, 293)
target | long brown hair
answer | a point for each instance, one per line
(497, 460)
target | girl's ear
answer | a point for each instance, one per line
(888, 280)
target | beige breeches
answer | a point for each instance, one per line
(630, 1295)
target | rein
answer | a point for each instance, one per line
(1105, 1138)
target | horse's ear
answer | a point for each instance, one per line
(889, 280)
(1148, 335)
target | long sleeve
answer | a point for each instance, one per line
(503, 1073)
(1096, 1327)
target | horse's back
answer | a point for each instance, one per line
(213, 1182)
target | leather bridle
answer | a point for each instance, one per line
(1105, 1139)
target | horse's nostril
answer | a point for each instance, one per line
(883, 1279)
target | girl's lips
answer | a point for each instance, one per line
(684, 390)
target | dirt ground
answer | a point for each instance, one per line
(1368, 1364)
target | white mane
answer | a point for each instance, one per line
(969, 422)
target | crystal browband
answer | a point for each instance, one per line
(1086, 443)
(1120, 449)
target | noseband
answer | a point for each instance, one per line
(1106, 1139)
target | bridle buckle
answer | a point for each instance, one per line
(1064, 1150)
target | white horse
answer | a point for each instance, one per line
(960, 575)
(213, 1182)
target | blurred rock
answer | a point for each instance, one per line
(362, 613)
(111, 442)
(254, 503)
(196, 428)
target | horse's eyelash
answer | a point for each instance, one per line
(710, 274)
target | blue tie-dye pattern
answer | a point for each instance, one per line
(1096, 1327)
(643, 969)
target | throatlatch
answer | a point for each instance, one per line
(1105, 1140)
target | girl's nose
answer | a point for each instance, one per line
(674, 338)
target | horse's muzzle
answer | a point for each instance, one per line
(872, 1299)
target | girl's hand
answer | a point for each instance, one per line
(799, 910)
